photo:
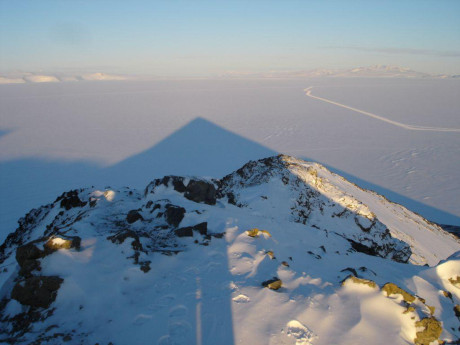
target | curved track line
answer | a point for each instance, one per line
(395, 123)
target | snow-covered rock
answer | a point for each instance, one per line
(261, 256)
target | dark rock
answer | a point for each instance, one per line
(70, 200)
(178, 184)
(28, 267)
(201, 191)
(184, 232)
(218, 235)
(187, 231)
(145, 266)
(383, 251)
(22, 234)
(122, 235)
(37, 291)
(133, 216)
(351, 270)
(202, 228)
(176, 181)
(174, 214)
(149, 204)
(27, 253)
(457, 311)
(359, 220)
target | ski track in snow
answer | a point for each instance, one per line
(381, 118)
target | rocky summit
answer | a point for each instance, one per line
(281, 251)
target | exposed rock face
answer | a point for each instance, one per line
(177, 182)
(23, 233)
(28, 252)
(70, 200)
(311, 206)
(174, 215)
(37, 292)
(133, 216)
(201, 191)
(187, 231)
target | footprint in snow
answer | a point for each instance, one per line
(141, 319)
(300, 332)
(180, 333)
(178, 311)
(162, 302)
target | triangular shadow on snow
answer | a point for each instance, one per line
(200, 148)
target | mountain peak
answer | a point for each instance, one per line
(127, 266)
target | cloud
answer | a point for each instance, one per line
(402, 51)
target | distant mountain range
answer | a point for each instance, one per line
(27, 77)
(385, 71)
(375, 71)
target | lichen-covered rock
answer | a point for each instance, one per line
(273, 284)
(201, 191)
(455, 281)
(37, 292)
(256, 232)
(56, 243)
(133, 216)
(393, 289)
(431, 331)
(355, 280)
(174, 215)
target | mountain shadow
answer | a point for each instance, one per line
(200, 148)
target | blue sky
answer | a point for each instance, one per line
(205, 38)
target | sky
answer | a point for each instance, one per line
(209, 38)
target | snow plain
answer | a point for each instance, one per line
(54, 137)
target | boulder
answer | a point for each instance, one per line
(133, 216)
(431, 331)
(28, 267)
(393, 289)
(177, 183)
(37, 292)
(187, 231)
(174, 214)
(201, 191)
(184, 232)
(273, 284)
(70, 200)
(202, 228)
(355, 280)
(27, 253)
